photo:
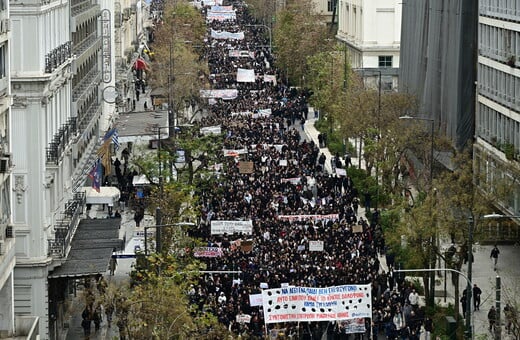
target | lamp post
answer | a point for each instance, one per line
(433, 238)
(270, 35)
(159, 155)
(158, 233)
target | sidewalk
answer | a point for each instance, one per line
(482, 273)
(485, 277)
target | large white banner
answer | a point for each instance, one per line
(241, 54)
(226, 35)
(198, 4)
(295, 304)
(245, 75)
(231, 227)
(270, 78)
(211, 130)
(223, 94)
(262, 113)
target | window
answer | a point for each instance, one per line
(385, 61)
(330, 5)
(3, 60)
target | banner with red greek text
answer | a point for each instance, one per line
(308, 217)
(294, 304)
(207, 252)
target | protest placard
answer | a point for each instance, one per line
(246, 167)
(296, 304)
(315, 245)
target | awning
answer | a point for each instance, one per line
(140, 180)
(91, 248)
(106, 195)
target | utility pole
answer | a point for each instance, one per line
(468, 331)
(498, 327)
(158, 234)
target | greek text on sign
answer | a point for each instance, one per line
(294, 304)
(231, 227)
(315, 245)
(207, 252)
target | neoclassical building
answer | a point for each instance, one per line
(371, 33)
(61, 65)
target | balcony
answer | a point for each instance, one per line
(65, 228)
(57, 57)
(60, 141)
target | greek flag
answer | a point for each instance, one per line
(113, 136)
(115, 140)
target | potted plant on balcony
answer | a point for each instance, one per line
(509, 151)
(511, 61)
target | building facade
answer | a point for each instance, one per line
(371, 32)
(438, 58)
(326, 8)
(497, 122)
(56, 77)
(7, 244)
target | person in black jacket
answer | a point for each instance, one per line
(476, 296)
(494, 256)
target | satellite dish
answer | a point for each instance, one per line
(110, 94)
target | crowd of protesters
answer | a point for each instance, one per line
(288, 183)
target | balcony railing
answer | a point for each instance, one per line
(77, 7)
(85, 43)
(57, 56)
(64, 229)
(60, 140)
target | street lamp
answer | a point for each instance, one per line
(270, 35)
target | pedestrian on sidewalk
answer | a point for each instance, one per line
(348, 160)
(494, 256)
(367, 201)
(510, 314)
(86, 322)
(112, 264)
(476, 296)
(97, 318)
(109, 311)
(492, 318)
